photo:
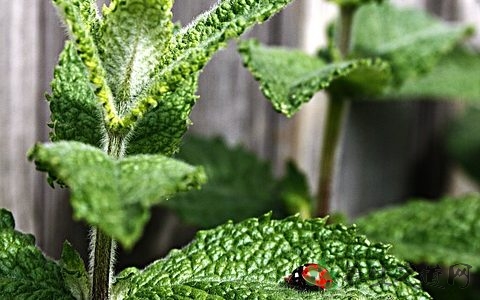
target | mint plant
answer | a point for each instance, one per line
(121, 95)
(375, 51)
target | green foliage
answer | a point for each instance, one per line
(74, 273)
(133, 69)
(445, 232)
(115, 195)
(463, 141)
(455, 77)
(24, 272)
(239, 184)
(290, 78)
(249, 260)
(295, 192)
(410, 40)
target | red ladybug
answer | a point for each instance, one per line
(309, 277)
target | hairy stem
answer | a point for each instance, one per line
(103, 257)
(335, 117)
(102, 249)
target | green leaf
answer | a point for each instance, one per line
(410, 40)
(25, 273)
(463, 141)
(295, 193)
(249, 260)
(177, 74)
(74, 273)
(115, 195)
(162, 128)
(239, 184)
(456, 77)
(445, 232)
(75, 114)
(133, 37)
(80, 18)
(290, 78)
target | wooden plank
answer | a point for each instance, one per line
(19, 95)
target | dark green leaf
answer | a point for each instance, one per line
(290, 78)
(115, 195)
(463, 141)
(239, 184)
(410, 40)
(249, 260)
(25, 273)
(456, 77)
(295, 193)
(445, 232)
(74, 273)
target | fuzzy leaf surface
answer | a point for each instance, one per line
(410, 40)
(115, 195)
(133, 37)
(463, 141)
(239, 184)
(25, 273)
(445, 232)
(289, 78)
(249, 260)
(456, 77)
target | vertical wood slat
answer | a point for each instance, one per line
(18, 88)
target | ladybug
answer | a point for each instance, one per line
(309, 277)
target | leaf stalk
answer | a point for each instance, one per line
(335, 118)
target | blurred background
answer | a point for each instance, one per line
(389, 151)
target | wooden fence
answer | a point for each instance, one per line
(383, 146)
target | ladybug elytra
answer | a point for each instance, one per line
(309, 277)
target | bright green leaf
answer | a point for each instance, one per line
(80, 18)
(133, 37)
(239, 184)
(290, 78)
(463, 141)
(75, 113)
(295, 193)
(162, 128)
(410, 40)
(74, 273)
(25, 273)
(445, 232)
(456, 77)
(249, 260)
(115, 195)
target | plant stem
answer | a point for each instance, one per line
(102, 251)
(335, 116)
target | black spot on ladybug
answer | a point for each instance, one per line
(296, 280)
